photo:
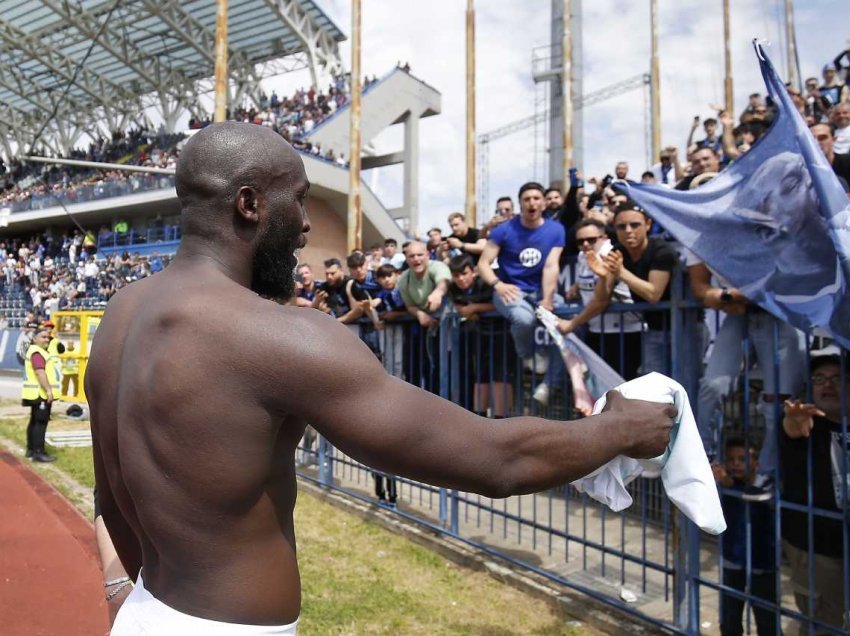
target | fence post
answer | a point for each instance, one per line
(325, 462)
(685, 534)
(447, 340)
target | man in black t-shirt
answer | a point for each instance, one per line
(815, 430)
(486, 357)
(645, 264)
(464, 239)
(342, 294)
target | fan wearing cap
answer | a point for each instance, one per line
(815, 431)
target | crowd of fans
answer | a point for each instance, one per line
(48, 273)
(589, 253)
(593, 246)
(32, 186)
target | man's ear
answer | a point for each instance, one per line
(247, 204)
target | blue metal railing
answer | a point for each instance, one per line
(676, 572)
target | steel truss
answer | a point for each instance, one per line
(122, 78)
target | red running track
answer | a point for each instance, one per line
(50, 581)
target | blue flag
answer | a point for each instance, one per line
(775, 223)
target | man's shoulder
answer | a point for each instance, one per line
(439, 268)
(659, 248)
(553, 227)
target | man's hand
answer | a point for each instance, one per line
(508, 293)
(695, 122)
(644, 426)
(320, 301)
(721, 476)
(425, 320)
(435, 300)
(798, 421)
(565, 326)
(614, 263)
(454, 242)
(547, 304)
(468, 312)
(596, 264)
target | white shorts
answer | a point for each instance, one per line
(143, 615)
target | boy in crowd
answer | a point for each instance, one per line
(734, 475)
(388, 306)
(484, 352)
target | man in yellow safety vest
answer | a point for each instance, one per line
(70, 372)
(54, 350)
(37, 393)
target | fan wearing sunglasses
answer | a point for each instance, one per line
(614, 335)
(645, 264)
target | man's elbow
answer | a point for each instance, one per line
(655, 297)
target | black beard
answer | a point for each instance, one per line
(273, 273)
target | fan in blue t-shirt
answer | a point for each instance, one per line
(528, 248)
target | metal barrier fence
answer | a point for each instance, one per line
(649, 560)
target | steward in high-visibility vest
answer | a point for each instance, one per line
(70, 372)
(37, 393)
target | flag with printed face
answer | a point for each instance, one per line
(775, 223)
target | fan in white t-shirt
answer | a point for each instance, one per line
(614, 335)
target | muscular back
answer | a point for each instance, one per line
(195, 462)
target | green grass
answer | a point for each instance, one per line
(359, 578)
(75, 462)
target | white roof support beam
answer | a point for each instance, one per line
(95, 86)
(158, 77)
(321, 49)
(202, 40)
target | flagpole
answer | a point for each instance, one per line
(567, 93)
(655, 85)
(355, 213)
(220, 113)
(791, 44)
(727, 57)
(470, 115)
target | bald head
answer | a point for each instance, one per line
(242, 189)
(221, 158)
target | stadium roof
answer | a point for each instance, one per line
(162, 50)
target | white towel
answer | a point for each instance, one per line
(685, 471)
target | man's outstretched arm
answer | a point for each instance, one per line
(393, 426)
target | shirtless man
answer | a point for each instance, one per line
(195, 471)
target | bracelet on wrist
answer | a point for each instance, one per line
(117, 589)
(121, 579)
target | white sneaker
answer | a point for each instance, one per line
(541, 393)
